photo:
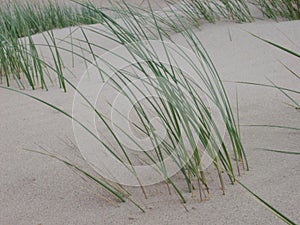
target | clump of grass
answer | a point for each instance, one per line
(211, 10)
(279, 9)
(19, 58)
(28, 18)
(132, 34)
(181, 104)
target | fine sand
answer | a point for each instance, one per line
(35, 189)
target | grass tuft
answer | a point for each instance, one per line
(19, 58)
(279, 9)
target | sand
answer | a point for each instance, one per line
(38, 190)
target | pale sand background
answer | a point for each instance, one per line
(37, 190)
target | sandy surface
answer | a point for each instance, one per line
(37, 190)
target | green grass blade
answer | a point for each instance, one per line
(279, 151)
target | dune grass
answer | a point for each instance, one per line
(26, 18)
(180, 107)
(279, 9)
(191, 12)
(19, 58)
(195, 119)
(212, 10)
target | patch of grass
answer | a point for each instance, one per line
(19, 58)
(181, 103)
(279, 9)
(196, 117)
(27, 18)
(211, 10)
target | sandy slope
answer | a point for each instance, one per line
(37, 190)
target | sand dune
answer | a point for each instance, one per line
(37, 190)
